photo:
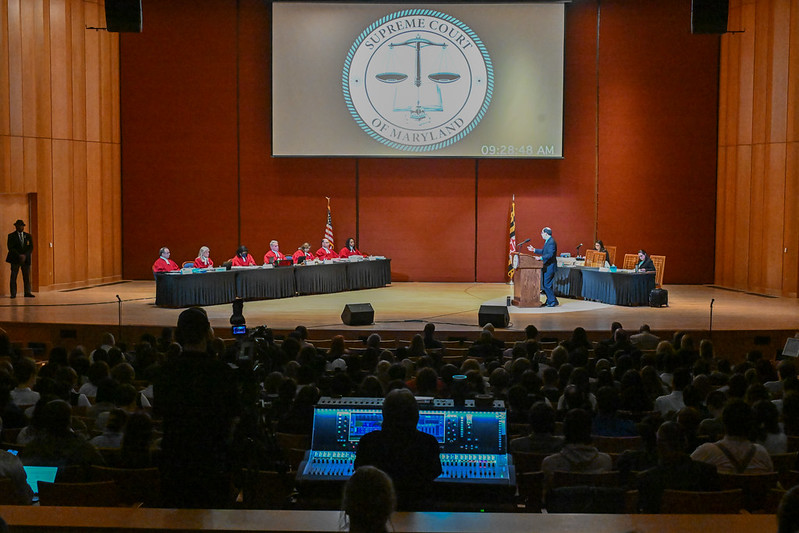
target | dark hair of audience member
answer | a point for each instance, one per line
(577, 427)
(97, 372)
(368, 500)
(738, 419)
(542, 418)
(788, 512)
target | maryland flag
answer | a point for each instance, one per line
(329, 226)
(512, 231)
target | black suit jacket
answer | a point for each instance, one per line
(17, 248)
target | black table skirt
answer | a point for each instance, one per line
(615, 288)
(368, 274)
(215, 288)
(208, 288)
(265, 283)
(321, 279)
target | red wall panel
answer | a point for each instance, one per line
(639, 153)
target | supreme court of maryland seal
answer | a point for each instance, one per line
(417, 80)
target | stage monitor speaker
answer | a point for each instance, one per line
(358, 314)
(123, 16)
(709, 16)
(493, 314)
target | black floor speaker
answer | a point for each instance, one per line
(358, 314)
(123, 16)
(493, 314)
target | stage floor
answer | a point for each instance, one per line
(407, 306)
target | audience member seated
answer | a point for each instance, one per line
(578, 454)
(607, 422)
(138, 449)
(769, 432)
(58, 445)
(113, 430)
(676, 470)
(788, 512)
(542, 438)
(430, 342)
(164, 263)
(11, 467)
(644, 339)
(25, 374)
(671, 403)
(242, 258)
(735, 453)
(409, 456)
(368, 501)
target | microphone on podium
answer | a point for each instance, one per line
(579, 246)
(525, 241)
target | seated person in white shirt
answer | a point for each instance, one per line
(673, 402)
(25, 374)
(735, 453)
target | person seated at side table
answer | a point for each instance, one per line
(326, 251)
(274, 254)
(204, 258)
(303, 251)
(242, 258)
(349, 249)
(599, 246)
(164, 263)
(645, 263)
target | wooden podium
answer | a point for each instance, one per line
(527, 281)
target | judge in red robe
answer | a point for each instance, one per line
(164, 263)
(350, 249)
(303, 251)
(204, 258)
(243, 258)
(274, 254)
(326, 251)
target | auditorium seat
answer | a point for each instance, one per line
(91, 494)
(135, 485)
(793, 443)
(783, 463)
(531, 490)
(8, 495)
(690, 502)
(528, 461)
(576, 479)
(266, 489)
(617, 444)
(592, 499)
(755, 487)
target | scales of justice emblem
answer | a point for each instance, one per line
(417, 80)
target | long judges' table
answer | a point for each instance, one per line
(617, 288)
(221, 287)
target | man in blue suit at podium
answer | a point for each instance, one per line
(549, 255)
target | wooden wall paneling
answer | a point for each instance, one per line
(778, 70)
(106, 91)
(5, 95)
(29, 68)
(81, 191)
(94, 210)
(107, 212)
(757, 192)
(746, 76)
(43, 64)
(793, 76)
(774, 217)
(15, 67)
(61, 69)
(760, 70)
(16, 178)
(116, 203)
(114, 106)
(722, 262)
(92, 69)
(77, 20)
(790, 262)
(741, 208)
(44, 207)
(64, 210)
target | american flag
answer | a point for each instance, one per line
(329, 225)
(512, 232)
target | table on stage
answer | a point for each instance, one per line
(623, 287)
(176, 289)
